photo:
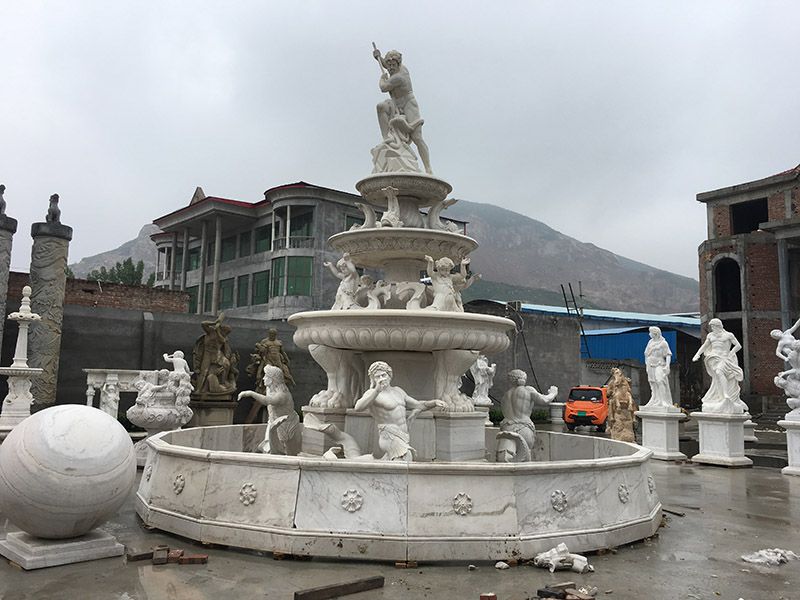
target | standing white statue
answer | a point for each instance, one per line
(657, 357)
(483, 374)
(284, 432)
(399, 119)
(788, 350)
(719, 357)
(517, 432)
(387, 404)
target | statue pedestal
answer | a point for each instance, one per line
(721, 439)
(316, 442)
(749, 430)
(660, 433)
(460, 436)
(557, 413)
(209, 410)
(792, 446)
(35, 553)
(485, 411)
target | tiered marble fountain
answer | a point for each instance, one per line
(451, 501)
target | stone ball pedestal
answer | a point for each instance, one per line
(64, 471)
(721, 439)
(660, 433)
(792, 428)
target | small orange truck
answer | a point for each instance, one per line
(587, 405)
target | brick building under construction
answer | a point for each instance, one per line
(750, 273)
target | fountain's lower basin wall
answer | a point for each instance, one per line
(394, 511)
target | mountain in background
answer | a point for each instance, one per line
(142, 248)
(519, 251)
(520, 259)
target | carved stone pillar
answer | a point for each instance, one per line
(48, 283)
(8, 227)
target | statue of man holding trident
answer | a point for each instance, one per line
(400, 113)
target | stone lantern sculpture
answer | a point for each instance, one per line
(17, 403)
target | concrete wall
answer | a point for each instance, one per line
(131, 339)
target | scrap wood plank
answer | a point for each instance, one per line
(340, 589)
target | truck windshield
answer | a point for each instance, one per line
(585, 395)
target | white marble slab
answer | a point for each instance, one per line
(571, 446)
(539, 496)
(251, 494)
(353, 502)
(224, 438)
(461, 505)
(178, 484)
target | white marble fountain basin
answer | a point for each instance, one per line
(401, 330)
(206, 484)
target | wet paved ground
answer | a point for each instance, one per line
(728, 513)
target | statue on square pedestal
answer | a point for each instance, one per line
(657, 357)
(284, 431)
(719, 357)
(788, 350)
(517, 431)
(621, 407)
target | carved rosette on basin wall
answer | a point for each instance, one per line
(48, 282)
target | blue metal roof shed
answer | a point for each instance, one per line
(626, 343)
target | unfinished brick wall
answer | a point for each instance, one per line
(795, 201)
(764, 365)
(722, 221)
(776, 206)
(761, 260)
(82, 292)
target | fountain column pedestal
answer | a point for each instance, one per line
(792, 446)
(721, 439)
(660, 433)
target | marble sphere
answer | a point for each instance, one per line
(65, 470)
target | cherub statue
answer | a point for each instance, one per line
(178, 361)
(147, 390)
(53, 212)
(620, 407)
(346, 271)
(284, 432)
(445, 296)
(462, 280)
(2, 199)
(483, 374)
(517, 431)
(388, 404)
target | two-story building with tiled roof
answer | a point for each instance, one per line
(255, 259)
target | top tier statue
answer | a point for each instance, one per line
(399, 119)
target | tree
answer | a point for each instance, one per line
(125, 273)
(68, 271)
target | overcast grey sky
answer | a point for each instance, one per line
(601, 119)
